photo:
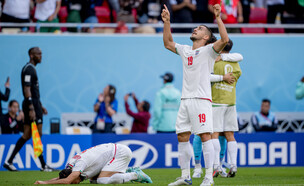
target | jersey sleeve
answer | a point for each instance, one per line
(28, 76)
(232, 57)
(79, 166)
(213, 54)
(216, 78)
(179, 48)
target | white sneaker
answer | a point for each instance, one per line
(181, 181)
(10, 167)
(223, 172)
(232, 171)
(207, 182)
(197, 173)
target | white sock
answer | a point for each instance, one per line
(208, 152)
(198, 166)
(184, 157)
(117, 178)
(232, 151)
(217, 150)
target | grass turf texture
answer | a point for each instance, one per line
(245, 176)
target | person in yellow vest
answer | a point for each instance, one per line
(224, 110)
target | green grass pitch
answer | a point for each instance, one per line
(245, 176)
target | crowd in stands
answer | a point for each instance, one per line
(148, 11)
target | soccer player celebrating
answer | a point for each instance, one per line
(195, 112)
(102, 164)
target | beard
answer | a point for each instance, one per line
(192, 38)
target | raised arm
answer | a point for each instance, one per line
(221, 43)
(167, 36)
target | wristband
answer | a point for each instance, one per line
(29, 101)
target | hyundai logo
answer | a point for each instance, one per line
(141, 153)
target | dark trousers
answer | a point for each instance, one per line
(10, 19)
(273, 10)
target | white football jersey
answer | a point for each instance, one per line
(197, 66)
(91, 161)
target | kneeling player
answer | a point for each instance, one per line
(103, 164)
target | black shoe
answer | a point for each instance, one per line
(10, 167)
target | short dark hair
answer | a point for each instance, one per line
(65, 173)
(12, 102)
(212, 38)
(229, 46)
(266, 100)
(146, 106)
(31, 50)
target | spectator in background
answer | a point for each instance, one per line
(231, 10)
(126, 7)
(12, 122)
(202, 13)
(88, 14)
(5, 96)
(273, 8)
(74, 9)
(264, 120)
(182, 12)
(16, 11)
(150, 11)
(166, 106)
(141, 119)
(46, 12)
(246, 9)
(105, 106)
(300, 89)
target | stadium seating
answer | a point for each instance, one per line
(63, 16)
(257, 15)
(253, 30)
(275, 30)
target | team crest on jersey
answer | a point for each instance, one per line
(197, 52)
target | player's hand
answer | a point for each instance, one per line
(100, 97)
(32, 114)
(229, 78)
(126, 97)
(217, 8)
(165, 15)
(7, 83)
(40, 182)
(44, 111)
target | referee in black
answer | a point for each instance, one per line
(31, 106)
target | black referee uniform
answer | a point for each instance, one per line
(29, 78)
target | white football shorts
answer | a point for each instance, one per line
(195, 116)
(120, 161)
(224, 118)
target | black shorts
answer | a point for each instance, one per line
(38, 110)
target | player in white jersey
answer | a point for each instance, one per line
(195, 112)
(103, 164)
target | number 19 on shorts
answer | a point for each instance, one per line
(202, 118)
